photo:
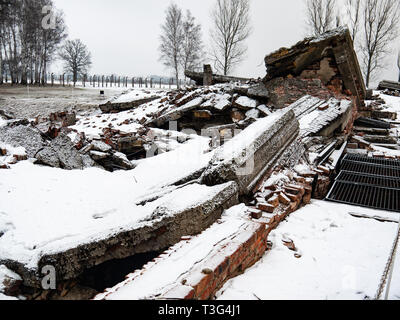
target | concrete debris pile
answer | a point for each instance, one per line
(10, 155)
(324, 67)
(376, 130)
(52, 126)
(391, 88)
(211, 107)
(272, 144)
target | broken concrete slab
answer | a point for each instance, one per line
(208, 78)
(258, 92)
(330, 58)
(179, 112)
(185, 211)
(117, 106)
(61, 153)
(390, 85)
(245, 103)
(23, 136)
(247, 156)
(323, 118)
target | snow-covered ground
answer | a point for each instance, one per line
(342, 257)
(394, 292)
(48, 209)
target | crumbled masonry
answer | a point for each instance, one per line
(202, 174)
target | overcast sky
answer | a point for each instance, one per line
(123, 35)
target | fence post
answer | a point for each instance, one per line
(52, 79)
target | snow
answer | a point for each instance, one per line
(223, 103)
(246, 102)
(62, 209)
(7, 298)
(7, 273)
(4, 274)
(136, 94)
(308, 119)
(392, 103)
(235, 147)
(342, 257)
(394, 292)
(2, 122)
(253, 113)
(264, 109)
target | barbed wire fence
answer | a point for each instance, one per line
(109, 81)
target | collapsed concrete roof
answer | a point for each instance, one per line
(327, 57)
(208, 78)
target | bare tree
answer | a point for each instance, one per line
(354, 15)
(380, 28)
(26, 47)
(231, 19)
(192, 49)
(321, 16)
(76, 57)
(172, 39)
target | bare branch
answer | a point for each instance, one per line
(380, 28)
(231, 19)
(321, 16)
(172, 39)
(76, 57)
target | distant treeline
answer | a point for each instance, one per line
(30, 33)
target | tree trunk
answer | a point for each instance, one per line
(368, 75)
(1, 65)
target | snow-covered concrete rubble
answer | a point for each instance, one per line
(77, 219)
(247, 156)
(30, 236)
(207, 172)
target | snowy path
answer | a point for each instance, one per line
(343, 257)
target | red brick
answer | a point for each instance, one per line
(256, 214)
(283, 199)
(202, 285)
(274, 201)
(266, 207)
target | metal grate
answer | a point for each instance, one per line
(385, 162)
(365, 195)
(371, 180)
(371, 169)
(368, 182)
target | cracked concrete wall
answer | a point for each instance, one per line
(268, 146)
